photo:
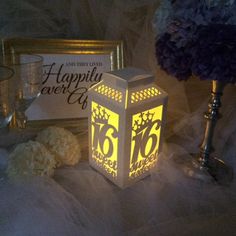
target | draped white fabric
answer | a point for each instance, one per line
(79, 201)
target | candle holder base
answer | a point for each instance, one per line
(216, 171)
(221, 173)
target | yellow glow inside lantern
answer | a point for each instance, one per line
(145, 140)
(109, 92)
(144, 94)
(104, 128)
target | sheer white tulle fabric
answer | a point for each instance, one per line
(78, 200)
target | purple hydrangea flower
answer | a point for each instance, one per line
(175, 61)
(214, 54)
(182, 33)
(199, 39)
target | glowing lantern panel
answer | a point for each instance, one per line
(145, 141)
(127, 112)
(105, 138)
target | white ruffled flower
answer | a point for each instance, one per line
(62, 143)
(31, 158)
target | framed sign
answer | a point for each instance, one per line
(70, 68)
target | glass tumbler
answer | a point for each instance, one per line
(28, 76)
(7, 96)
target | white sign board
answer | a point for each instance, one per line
(66, 79)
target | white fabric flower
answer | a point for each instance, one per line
(62, 143)
(31, 158)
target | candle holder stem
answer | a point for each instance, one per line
(211, 116)
(216, 167)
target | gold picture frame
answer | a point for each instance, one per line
(108, 53)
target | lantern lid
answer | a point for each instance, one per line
(128, 77)
(128, 87)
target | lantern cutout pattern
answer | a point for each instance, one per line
(126, 119)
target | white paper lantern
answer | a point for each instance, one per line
(126, 118)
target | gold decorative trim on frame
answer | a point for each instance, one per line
(67, 46)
